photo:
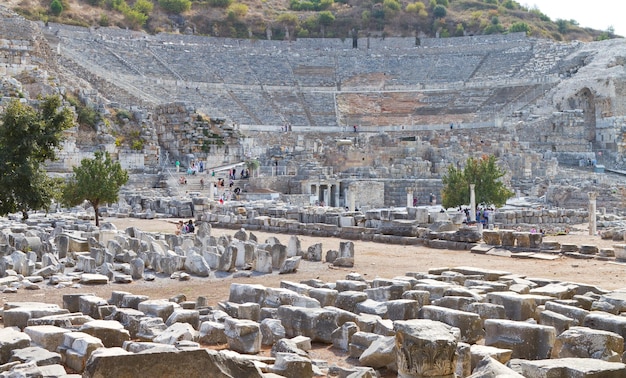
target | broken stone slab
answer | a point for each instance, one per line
(150, 327)
(583, 342)
(342, 335)
(416, 335)
(292, 365)
(479, 352)
(176, 332)
(606, 322)
(489, 367)
(37, 355)
(90, 305)
(272, 330)
(110, 332)
(18, 313)
(76, 349)
(380, 353)
(526, 340)
(129, 318)
(157, 307)
(11, 339)
(93, 279)
(187, 363)
(290, 265)
(242, 293)
(572, 367)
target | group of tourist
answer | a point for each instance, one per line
(185, 228)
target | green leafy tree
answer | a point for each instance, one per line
(175, 6)
(485, 174)
(96, 180)
(28, 138)
(440, 11)
(56, 7)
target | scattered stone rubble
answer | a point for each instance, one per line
(447, 322)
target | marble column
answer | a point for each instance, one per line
(351, 199)
(592, 212)
(472, 202)
(409, 197)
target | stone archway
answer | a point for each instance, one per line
(586, 101)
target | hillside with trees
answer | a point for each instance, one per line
(292, 19)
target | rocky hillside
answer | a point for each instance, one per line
(290, 19)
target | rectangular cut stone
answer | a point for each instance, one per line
(46, 336)
(526, 340)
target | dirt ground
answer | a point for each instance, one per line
(372, 260)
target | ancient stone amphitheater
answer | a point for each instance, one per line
(418, 105)
(367, 123)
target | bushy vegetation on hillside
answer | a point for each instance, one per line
(282, 19)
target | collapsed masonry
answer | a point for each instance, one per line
(447, 322)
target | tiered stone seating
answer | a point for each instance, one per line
(259, 82)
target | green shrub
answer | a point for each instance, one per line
(220, 3)
(56, 7)
(519, 27)
(175, 6)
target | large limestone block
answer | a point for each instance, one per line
(150, 327)
(212, 333)
(402, 309)
(129, 318)
(10, 339)
(572, 312)
(46, 336)
(184, 363)
(606, 322)
(112, 333)
(516, 306)
(347, 300)
(572, 367)
(582, 342)
(325, 296)
(491, 237)
(316, 323)
(242, 293)
(470, 324)
(243, 336)
(526, 340)
(90, 305)
(414, 337)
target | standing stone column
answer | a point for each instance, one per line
(351, 199)
(473, 202)
(211, 189)
(409, 197)
(592, 212)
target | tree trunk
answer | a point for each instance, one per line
(95, 208)
(24, 214)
